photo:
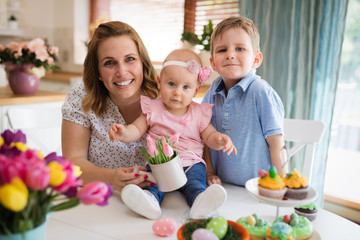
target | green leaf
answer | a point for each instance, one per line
(72, 202)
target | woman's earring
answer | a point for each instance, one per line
(100, 79)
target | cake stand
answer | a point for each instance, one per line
(252, 187)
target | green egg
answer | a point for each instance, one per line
(260, 222)
(294, 222)
(218, 226)
(294, 215)
(272, 172)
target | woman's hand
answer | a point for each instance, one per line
(125, 176)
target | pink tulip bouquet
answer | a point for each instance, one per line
(160, 150)
(31, 185)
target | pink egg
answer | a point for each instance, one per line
(203, 234)
(262, 173)
(164, 227)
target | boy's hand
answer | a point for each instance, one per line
(225, 141)
(117, 132)
(211, 178)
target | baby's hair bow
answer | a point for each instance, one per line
(194, 67)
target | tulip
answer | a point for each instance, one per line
(14, 196)
(37, 175)
(168, 151)
(57, 175)
(174, 138)
(93, 193)
(151, 147)
(70, 178)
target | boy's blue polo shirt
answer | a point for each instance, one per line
(250, 112)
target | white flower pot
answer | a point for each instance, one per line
(13, 25)
(168, 176)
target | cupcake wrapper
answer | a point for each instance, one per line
(276, 194)
(310, 216)
(300, 193)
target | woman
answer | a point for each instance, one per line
(117, 71)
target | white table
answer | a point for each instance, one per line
(116, 221)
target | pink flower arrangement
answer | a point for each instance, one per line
(31, 185)
(160, 150)
(28, 55)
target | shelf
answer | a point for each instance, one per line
(12, 33)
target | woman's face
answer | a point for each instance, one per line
(120, 68)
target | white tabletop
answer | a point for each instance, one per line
(116, 221)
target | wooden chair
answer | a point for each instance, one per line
(303, 133)
(42, 126)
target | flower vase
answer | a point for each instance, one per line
(23, 82)
(169, 176)
(38, 233)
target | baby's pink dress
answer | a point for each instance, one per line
(190, 125)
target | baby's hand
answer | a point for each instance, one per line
(117, 132)
(225, 141)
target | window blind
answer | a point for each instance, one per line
(199, 12)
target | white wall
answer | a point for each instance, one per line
(63, 22)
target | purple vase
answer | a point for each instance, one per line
(22, 82)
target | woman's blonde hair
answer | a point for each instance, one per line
(97, 93)
(237, 22)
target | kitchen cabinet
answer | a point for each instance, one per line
(38, 116)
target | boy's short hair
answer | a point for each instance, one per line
(237, 22)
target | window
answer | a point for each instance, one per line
(343, 164)
(159, 23)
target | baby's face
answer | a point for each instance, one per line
(233, 55)
(177, 88)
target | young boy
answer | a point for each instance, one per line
(246, 108)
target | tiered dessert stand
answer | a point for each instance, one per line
(252, 186)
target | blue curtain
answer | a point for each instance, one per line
(301, 42)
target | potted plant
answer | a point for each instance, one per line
(165, 163)
(32, 186)
(26, 62)
(203, 40)
(13, 23)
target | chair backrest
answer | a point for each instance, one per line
(42, 126)
(303, 133)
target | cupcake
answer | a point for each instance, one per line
(297, 185)
(301, 227)
(309, 211)
(255, 225)
(279, 231)
(270, 184)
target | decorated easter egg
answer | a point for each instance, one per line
(262, 173)
(272, 172)
(164, 227)
(218, 226)
(203, 234)
(287, 219)
(251, 220)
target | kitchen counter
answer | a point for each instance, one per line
(7, 97)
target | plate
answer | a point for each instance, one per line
(252, 186)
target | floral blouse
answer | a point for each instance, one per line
(102, 152)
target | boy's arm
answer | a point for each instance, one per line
(131, 132)
(217, 141)
(276, 144)
(211, 177)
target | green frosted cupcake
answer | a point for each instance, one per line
(309, 211)
(255, 225)
(302, 228)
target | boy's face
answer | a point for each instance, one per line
(234, 56)
(177, 88)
